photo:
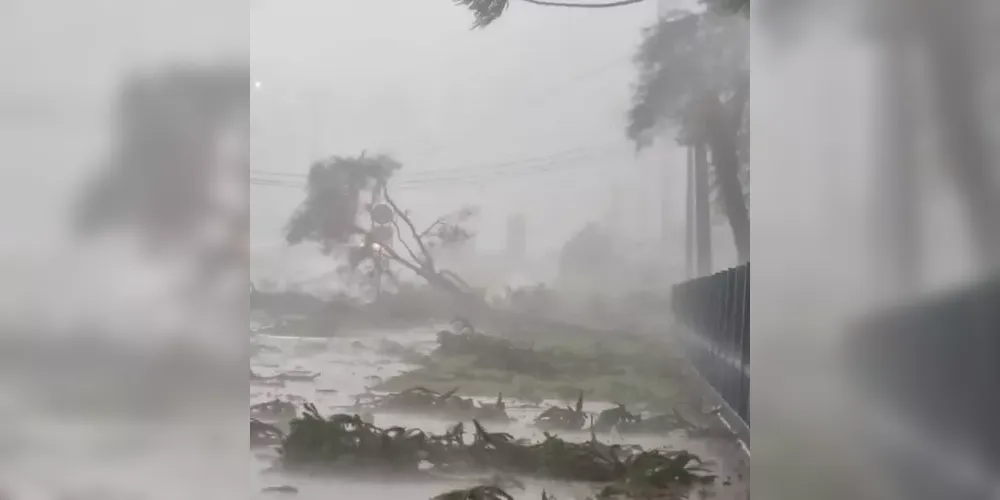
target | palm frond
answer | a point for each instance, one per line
(485, 11)
(681, 57)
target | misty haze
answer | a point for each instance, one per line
(499, 249)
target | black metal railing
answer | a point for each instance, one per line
(716, 311)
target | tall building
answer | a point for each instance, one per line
(517, 237)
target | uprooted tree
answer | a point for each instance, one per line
(341, 194)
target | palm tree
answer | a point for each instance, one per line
(723, 123)
(693, 75)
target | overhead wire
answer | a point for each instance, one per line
(473, 177)
(430, 176)
(456, 170)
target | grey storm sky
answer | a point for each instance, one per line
(409, 78)
(405, 77)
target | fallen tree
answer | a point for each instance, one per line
(349, 212)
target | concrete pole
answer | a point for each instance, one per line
(689, 214)
(702, 222)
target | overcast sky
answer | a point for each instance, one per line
(527, 115)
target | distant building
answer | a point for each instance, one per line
(517, 238)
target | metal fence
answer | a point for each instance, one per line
(716, 311)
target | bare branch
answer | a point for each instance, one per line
(407, 264)
(434, 278)
(432, 226)
(409, 250)
(428, 261)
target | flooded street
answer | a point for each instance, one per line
(348, 366)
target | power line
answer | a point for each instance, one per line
(543, 97)
(558, 88)
(457, 170)
(476, 177)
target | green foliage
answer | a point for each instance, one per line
(483, 492)
(345, 443)
(348, 442)
(494, 353)
(264, 434)
(340, 194)
(570, 418)
(484, 11)
(335, 195)
(446, 405)
(626, 370)
(694, 75)
(680, 59)
(625, 422)
(658, 475)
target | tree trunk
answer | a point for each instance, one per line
(723, 136)
(689, 214)
(703, 226)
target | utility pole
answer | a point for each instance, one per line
(378, 225)
(517, 236)
(689, 214)
(314, 129)
(665, 225)
(703, 226)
